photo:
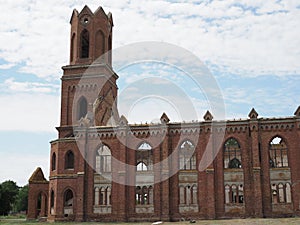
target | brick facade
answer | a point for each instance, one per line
(101, 171)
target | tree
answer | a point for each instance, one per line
(21, 199)
(8, 193)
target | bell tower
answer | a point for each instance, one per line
(89, 98)
(91, 36)
(89, 84)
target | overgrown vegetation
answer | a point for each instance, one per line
(13, 199)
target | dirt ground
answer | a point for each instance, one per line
(279, 221)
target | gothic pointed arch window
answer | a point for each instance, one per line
(68, 198)
(72, 52)
(53, 161)
(52, 202)
(187, 157)
(69, 160)
(232, 154)
(103, 159)
(144, 157)
(84, 44)
(100, 44)
(82, 107)
(278, 153)
(109, 49)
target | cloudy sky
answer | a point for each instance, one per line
(251, 47)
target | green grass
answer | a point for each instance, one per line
(279, 221)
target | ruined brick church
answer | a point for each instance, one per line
(104, 171)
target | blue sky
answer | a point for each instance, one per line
(252, 48)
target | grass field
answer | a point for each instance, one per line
(280, 221)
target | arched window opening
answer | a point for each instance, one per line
(102, 196)
(39, 204)
(187, 158)
(108, 196)
(150, 195)
(109, 49)
(53, 161)
(232, 154)
(52, 199)
(52, 202)
(144, 195)
(194, 192)
(100, 45)
(103, 159)
(281, 193)
(85, 44)
(241, 194)
(144, 157)
(96, 201)
(68, 198)
(82, 108)
(181, 195)
(234, 194)
(274, 193)
(188, 195)
(141, 167)
(288, 192)
(69, 160)
(278, 153)
(72, 56)
(227, 194)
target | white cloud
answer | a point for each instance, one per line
(246, 37)
(6, 66)
(29, 112)
(13, 86)
(19, 167)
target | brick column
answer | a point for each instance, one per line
(210, 193)
(164, 149)
(119, 200)
(256, 200)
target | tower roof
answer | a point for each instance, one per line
(37, 176)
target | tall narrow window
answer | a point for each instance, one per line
(232, 154)
(278, 153)
(144, 161)
(109, 49)
(281, 193)
(85, 44)
(187, 158)
(52, 200)
(53, 161)
(102, 196)
(100, 44)
(288, 193)
(68, 198)
(103, 159)
(69, 160)
(82, 107)
(72, 55)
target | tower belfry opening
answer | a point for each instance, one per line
(84, 44)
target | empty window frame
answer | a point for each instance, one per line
(232, 154)
(103, 159)
(278, 153)
(187, 157)
(69, 160)
(144, 157)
